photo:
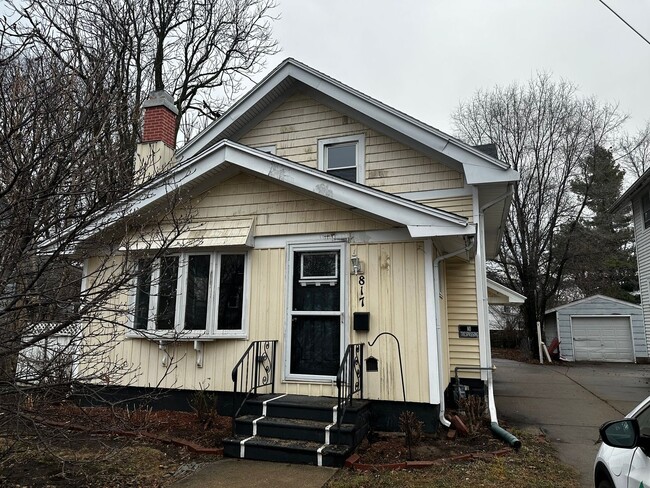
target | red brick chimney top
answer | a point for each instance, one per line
(160, 119)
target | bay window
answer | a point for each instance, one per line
(193, 294)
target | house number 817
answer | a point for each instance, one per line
(362, 297)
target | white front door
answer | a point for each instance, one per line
(316, 318)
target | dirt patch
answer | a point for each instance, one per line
(522, 356)
(535, 465)
(165, 423)
(70, 446)
(390, 447)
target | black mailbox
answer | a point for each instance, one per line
(362, 321)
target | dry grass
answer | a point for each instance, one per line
(534, 466)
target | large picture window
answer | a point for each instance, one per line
(191, 293)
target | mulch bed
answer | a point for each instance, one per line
(153, 424)
(390, 448)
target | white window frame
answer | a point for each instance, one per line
(178, 332)
(267, 149)
(292, 248)
(359, 139)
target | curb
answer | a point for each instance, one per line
(353, 463)
(189, 445)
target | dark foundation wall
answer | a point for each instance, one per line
(384, 415)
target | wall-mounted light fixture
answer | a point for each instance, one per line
(356, 265)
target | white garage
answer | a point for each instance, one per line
(598, 328)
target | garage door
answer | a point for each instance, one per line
(602, 339)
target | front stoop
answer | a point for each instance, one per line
(297, 429)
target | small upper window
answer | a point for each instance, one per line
(267, 149)
(645, 203)
(343, 157)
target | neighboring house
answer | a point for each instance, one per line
(598, 328)
(50, 360)
(320, 219)
(638, 197)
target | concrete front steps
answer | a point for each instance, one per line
(297, 429)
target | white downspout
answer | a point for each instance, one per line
(486, 359)
(437, 323)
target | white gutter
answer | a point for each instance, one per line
(438, 327)
(484, 336)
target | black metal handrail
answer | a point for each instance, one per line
(254, 370)
(349, 380)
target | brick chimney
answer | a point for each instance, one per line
(155, 154)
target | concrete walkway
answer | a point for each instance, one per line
(569, 403)
(239, 473)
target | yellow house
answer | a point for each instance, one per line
(308, 220)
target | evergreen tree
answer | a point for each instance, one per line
(601, 258)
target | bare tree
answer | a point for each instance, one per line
(544, 130)
(60, 160)
(198, 51)
(633, 152)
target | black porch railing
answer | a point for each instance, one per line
(349, 380)
(254, 370)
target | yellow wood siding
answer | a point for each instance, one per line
(458, 205)
(395, 298)
(297, 124)
(460, 298)
(277, 210)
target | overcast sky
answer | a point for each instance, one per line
(424, 56)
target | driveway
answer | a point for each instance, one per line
(569, 403)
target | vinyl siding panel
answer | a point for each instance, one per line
(277, 210)
(395, 298)
(459, 205)
(297, 124)
(460, 298)
(642, 243)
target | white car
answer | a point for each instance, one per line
(623, 460)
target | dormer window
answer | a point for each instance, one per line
(343, 157)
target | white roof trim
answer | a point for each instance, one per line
(421, 221)
(587, 299)
(507, 295)
(477, 166)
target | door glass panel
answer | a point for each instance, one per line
(315, 345)
(196, 304)
(166, 312)
(311, 294)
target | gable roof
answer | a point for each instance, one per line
(500, 294)
(593, 297)
(291, 75)
(227, 158)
